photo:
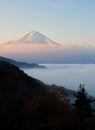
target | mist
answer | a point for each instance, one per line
(48, 53)
(67, 75)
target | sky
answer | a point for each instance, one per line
(64, 21)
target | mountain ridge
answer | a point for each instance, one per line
(33, 37)
(21, 64)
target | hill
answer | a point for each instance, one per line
(21, 64)
(13, 80)
(27, 103)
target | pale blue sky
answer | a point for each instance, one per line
(64, 21)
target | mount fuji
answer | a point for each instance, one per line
(35, 47)
(33, 37)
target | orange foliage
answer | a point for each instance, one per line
(48, 112)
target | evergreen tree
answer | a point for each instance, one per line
(82, 105)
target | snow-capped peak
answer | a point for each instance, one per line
(33, 37)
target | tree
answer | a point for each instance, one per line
(82, 105)
(48, 112)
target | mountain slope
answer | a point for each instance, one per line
(15, 82)
(27, 103)
(32, 37)
(21, 64)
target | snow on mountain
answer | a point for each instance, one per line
(35, 47)
(33, 37)
(31, 45)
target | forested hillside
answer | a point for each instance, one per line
(29, 104)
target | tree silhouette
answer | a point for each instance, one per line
(82, 105)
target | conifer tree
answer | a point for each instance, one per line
(82, 105)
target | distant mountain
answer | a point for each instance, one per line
(21, 64)
(35, 47)
(32, 37)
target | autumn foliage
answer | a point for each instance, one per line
(48, 112)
